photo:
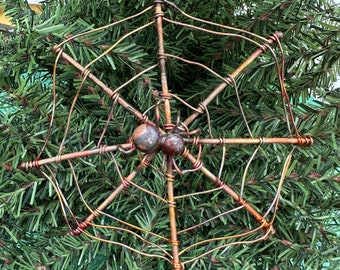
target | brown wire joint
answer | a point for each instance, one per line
(304, 141)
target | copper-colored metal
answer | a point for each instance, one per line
(145, 163)
(233, 76)
(259, 218)
(172, 214)
(165, 137)
(162, 61)
(167, 126)
(59, 158)
(101, 150)
(300, 141)
(108, 90)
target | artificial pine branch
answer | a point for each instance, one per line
(33, 231)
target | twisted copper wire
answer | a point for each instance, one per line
(80, 229)
(177, 266)
(125, 182)
(114, 96)
(185, 152)
(58, 158)
(169, 177)
(102, 149)
(220, 183)
(169, 127)
(158, 12)
(30, 164)
(174, 242)
(304, 141)
(161, 56)
(198, 164)
(205, 108)
(166, 96)
(275, 37)
(195, 140)
(85, 73)
(145, 162)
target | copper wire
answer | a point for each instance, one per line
(181, 128)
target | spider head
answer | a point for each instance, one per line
(146, 137)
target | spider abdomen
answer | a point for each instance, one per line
(172, 144)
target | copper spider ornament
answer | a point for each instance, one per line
(148, 139)
(152, 138)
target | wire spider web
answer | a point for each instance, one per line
(169, 147)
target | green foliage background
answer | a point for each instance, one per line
(33, 234)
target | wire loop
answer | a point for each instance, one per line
(80, 229)
(174, 242)
(304, 141)
(169, 177)
(125, 182)
(102, 149)
(161, 56)
(165, 96)
(58, 159)
(185, 152)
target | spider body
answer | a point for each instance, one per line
(172, 144)
(146, 138)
